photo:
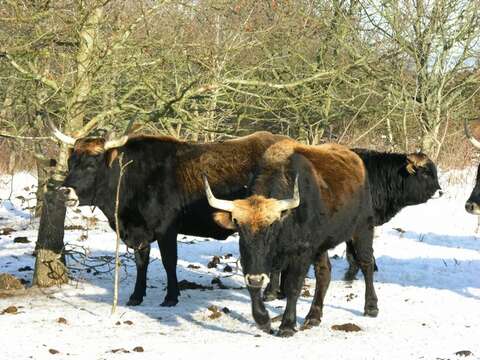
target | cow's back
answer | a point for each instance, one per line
(227, 164)
(339, 173)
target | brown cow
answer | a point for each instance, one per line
(280, 230)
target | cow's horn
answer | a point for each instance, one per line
(225, 205)
(59, 135)
(293, 202)
(474, 141)
(115, 143)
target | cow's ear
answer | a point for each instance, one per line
(411, 168)
(224, 219)
(414, 161)
(110, 156)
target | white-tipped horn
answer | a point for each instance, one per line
(115, 143)
(59, 135)
(225, 205)
(293, 202)
(474, 141)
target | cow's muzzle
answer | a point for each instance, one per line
(70, 196)
(472, 207)
(438, 194)
(257, 281)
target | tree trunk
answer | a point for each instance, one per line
(430, 141)
(50, 268)
(45, 169)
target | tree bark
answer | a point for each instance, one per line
(45, 169)
(50, 268)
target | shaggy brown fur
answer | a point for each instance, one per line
(89, 146)
(339, 171)
(256, 211)
(416, 160)
(339, 174)
(223, 162)
(219, 160)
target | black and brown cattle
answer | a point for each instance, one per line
(305, 200)
(161, 191)
(396, 180)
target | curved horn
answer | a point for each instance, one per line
(474, 141)
(115, 143)
(225, 205)
(59, 135)
(293, 202)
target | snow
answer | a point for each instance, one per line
(428, 287)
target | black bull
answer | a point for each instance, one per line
(396, 181)
(331, 203)
(472, 205)
(162, 192)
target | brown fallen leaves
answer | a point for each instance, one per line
(349, 327)
(10, 310)
(10, 282)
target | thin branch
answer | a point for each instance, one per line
(117, 231)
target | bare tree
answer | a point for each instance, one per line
(437, 43)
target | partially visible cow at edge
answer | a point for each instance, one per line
(472, 205)
(396, 181)
(331, 203)
(162, 192)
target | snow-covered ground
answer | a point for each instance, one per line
(428, 287)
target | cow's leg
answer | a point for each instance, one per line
(272, 291)
(293, 285)
(352, 262)
(142, 258)
(260, 314)
(322, 276)
(362, 242)
(168, 250)
(273, 287)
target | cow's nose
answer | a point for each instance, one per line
(469, 206)
(256, 280)
(65, 190)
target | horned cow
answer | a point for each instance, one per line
(280, 230)
(161, 192)
(396, 181)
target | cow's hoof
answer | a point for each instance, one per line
(134, 302)
(309, 323)
(266, 327)
(371, 312)
(286, 332)
(169, 303)
(349, 276)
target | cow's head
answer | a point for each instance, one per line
(421, 181)
(257, 220)
(473, 203)
(89, 159)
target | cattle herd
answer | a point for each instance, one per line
(289, 202)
